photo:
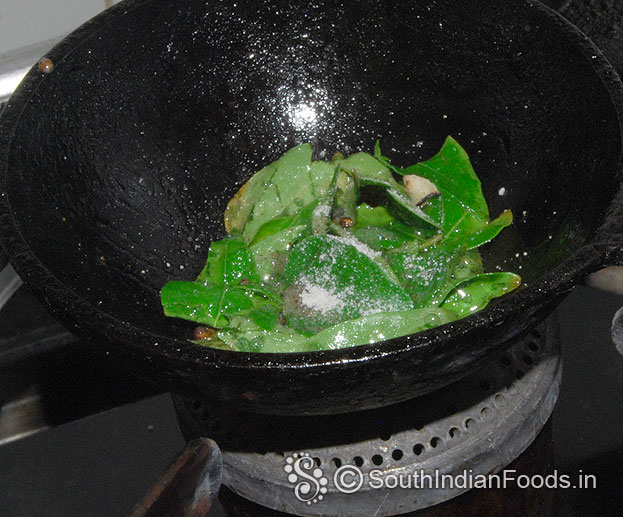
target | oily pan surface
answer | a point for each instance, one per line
(126, 155)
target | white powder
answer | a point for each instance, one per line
(320, 294)
(427, 274)
(322, 209)
(320, 299)
(357, 244)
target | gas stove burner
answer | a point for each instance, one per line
(477, 425)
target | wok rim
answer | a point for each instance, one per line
(120, 334)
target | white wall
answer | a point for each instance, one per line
(26, 22)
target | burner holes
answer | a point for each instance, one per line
(528, 361)
(486, 413)
(506, 360)
(485, 385)
(500, 400)
(519, 374)
(377, 459)
(470, 423)
(454, 432)
(358, 460)
(435, 440)
(418, 449)
(337, 462)
(280, 454)
(397, 454)
(385, 436)
(317, 461)
(205, 415)
(533, 346)
(196, 406)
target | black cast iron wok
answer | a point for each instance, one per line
(117, 166)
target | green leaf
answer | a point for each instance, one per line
(270, 254)
(291, 189)
(368, 169)
(467, 265)
(470, 232)
(346, 196)
(246, 336)
(282, 188)
(378, 155)
(240, 206)
(321, 216)
(463, 266)
(229, 261)
(321, 174)
(489, 231)
(379, 327)
(373, 216)
(475, 293)
(451, 171)
(424, 273)
(390, 233)
(274, 226)
(302, 217)
(203, 304)
(329, 280)
(375, 173)
(265, 316)
(379, 238)
(409, 209)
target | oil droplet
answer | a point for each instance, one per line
(45, 65)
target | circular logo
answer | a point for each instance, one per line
(311, 485)
(348, 479)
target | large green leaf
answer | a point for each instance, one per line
(330, 279)
(377, 228)
(424, 273)
(488, 231)
(282, 188)
(209, 305)
(247, 336)
(244, 335)
(475, 293)
(374, 216)
(410, 211)
(302, 217)
(380, 238)
(228, 285)
(452, 172)
(270, 254)
(369, 170)
(229, 261)
(379, 327)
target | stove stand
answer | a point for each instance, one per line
(477, 425)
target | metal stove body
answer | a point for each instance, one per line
(396, 459)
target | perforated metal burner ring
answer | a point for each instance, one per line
(479, 424)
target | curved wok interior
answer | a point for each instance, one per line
(126, 155)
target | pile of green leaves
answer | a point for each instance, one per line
(289, 277)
